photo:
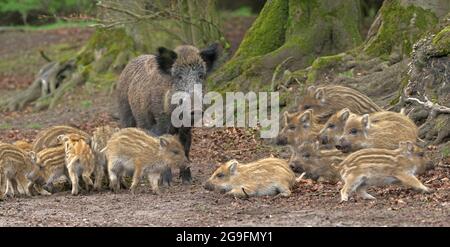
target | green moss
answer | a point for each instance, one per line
(300, 30)
(271, 21)
(28, 62)
(401, 27)
(442, 41)
(320, 64)
(446, 151)
(441, 122)
(112, 41)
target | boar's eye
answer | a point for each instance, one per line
(353, 131)
(306, 107)
(331, 126)
(292, 127)
(202, 76)
(421, 154)
(176, 152)
(306, 155)
(220, 175)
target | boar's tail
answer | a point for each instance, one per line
(300, 178)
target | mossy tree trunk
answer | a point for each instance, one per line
(127, 29)
(296, 29)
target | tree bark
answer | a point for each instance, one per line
(300, 29)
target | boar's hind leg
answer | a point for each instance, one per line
(361, 191)
(99, 174)
(283, 191)
(22, 180)
(9, 188)
(411, 181)
(153, 179)
(136, 176)
(126, 115)
(87, 181)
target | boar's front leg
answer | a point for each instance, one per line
(351, 183)
(153, 179)
(166, 176)
(240, 192)
(413, 182)
(126, 115)
(361, 191)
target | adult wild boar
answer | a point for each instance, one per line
(148, 82)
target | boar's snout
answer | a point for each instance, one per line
(208, 186)
(323, 139)
(281, 140)
(296, 167)
(48, 187)
(343, 145)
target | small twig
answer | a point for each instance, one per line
(431, 180)
(45, 56)
(241, 150)
(430, 105)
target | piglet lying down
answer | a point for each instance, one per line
(265, 177)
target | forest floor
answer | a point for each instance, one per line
(311, 203)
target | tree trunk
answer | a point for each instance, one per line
(400, 23)
(300, 29)
(108, 50)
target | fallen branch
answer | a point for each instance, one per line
(436, 108)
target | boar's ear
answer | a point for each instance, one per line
(316, 146)
(306, 118)
(165, 59)
(286, 117)
(365, 121)
(320, 95)
(32, 156)
(209, 55)
(61, 138)
(233, 167)
(410, 146)
(345, 113)
(163, 142)
(311, 90)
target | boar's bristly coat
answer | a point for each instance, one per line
(148, 82)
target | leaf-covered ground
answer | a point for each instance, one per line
(311, 204)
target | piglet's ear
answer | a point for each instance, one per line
(410, 146)
(61, 138)
(320, 95)
(209, 55)
(163, 142)
(287, 117)
(233, 168)
(365, 121)
(32, 155)
(311, 90)
(345, 113)
(306, 117)
(165, 59)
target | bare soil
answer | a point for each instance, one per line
(311, 204)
